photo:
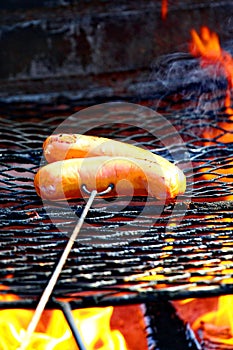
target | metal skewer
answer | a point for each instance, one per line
(53, 279)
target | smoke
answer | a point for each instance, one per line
(178, 82)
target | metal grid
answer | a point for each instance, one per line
(193, 258)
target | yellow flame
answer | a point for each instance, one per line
(217, 326)
(53, 332)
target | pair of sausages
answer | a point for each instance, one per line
(97, 162)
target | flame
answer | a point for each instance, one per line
(164, 9)
(207, 47)
(53, 332)
(217, 326)
(211, 318)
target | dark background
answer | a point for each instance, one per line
(88, 49)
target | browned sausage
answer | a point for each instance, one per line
(67, 146)
(63, 179)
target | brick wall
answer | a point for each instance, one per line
(95, 48)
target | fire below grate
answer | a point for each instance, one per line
(160, 254)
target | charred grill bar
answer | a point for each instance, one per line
(102, 273)
(201, 239)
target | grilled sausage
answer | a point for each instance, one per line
(64, 179)
(67, 146)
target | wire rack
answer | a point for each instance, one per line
(127, 252)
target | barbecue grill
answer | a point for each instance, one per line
(193, 258)
(125, 253)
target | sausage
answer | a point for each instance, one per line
(64, 179)
(67, 146)
(97, 162)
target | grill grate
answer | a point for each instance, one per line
(111, 264)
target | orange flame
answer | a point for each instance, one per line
(164, 9)
(210, 318)
(217, 326)
(207, 47)
(53, 332)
